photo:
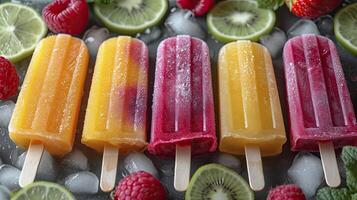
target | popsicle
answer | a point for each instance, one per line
(47, 108)
(183, 108)
(320, 108)
(250, 113)
(116, 113)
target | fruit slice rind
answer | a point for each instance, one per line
(62, 193)
(23, 51)
(223, 37)
(241, 183)
(338, 28)
(127, 28)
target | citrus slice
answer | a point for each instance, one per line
(43, 190)
(131, 16)
(345, 23)
(239, 20)
(21, 28)
(215, 181)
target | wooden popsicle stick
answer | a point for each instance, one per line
(255, 168)
(32, 160)
(182, 167)
(109, 168)
(329, 164)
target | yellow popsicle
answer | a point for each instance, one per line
(250, 112)
(116, 111)
(48, 105)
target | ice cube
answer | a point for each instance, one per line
(306, 172)
(76, 160)
(150, 35)
(303, 26)
(4, 193)
(172, 3)
(325, 25)
(38, 5)
(94, 37)
(139, 162)
(9, 177)
(228, 160)
(6, 145)
(47, 169)
(182, 22)
(84, 182)
(6, 109)
(274, 42)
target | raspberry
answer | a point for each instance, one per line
(286, 192)
(66, 16)
(140, 186)
(198, 7)
(9, 80)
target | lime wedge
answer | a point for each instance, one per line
(233, 20)
(131, 16)
(42, 191)
(21, 28)
(345, 23)
(213, 181)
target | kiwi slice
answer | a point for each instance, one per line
(239, 20)
(130, 16)
(216, 182)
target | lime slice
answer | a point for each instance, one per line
(239, 20)
(43, 190)
(131, 16)
(345, 24)
(21, 28)
(215, 181)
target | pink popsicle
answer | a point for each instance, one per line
(320, 106)
(183, 108)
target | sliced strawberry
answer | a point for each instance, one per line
(312, 8)
(198, 7)
(66, 16)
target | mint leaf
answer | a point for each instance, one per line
(328, 193)
(270, 4)
(349, 158)
(354, 197)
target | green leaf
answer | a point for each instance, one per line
(354, 197)
(270, 4)
(328, 193)
(349, 158)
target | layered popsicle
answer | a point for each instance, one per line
(183, 107)
(320, 107)
(250, 112)
(116, 113)
(47, 109)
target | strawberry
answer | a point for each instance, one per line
(198, 7)
(9, 80)
(66, 16)
(140, 186)
(312, 8)
(286, 192)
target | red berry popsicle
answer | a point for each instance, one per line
(320, 107)
(183, 108)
